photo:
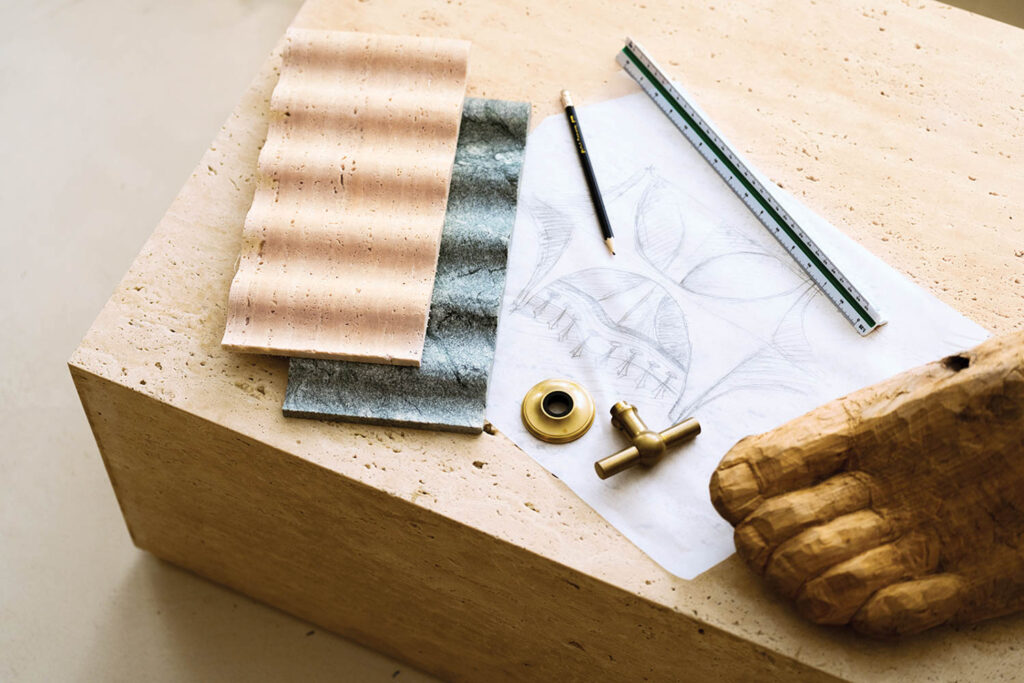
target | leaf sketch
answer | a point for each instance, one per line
(555, 228)
(660, 223)
(670, 328)
(710, 265)
(637, 325)
(775, 366)
(715, 277)
(620, 319)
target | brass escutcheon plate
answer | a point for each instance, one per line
(558, 411)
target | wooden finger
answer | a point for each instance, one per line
(792, 457)
(835, 596)
(910, 607)
(780, 518)
(814, 550)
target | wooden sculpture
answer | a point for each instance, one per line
(897, 508)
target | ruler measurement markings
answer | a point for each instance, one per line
(753, 194)
(773, 204)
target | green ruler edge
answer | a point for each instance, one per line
(716, 151)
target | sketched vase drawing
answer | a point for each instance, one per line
(636, 325)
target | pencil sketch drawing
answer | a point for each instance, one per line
(700, 312)
(637, 325)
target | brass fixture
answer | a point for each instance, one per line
(648, 446)
(558, 411)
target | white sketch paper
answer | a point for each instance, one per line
(701, 313)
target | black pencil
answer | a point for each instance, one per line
(588, 171)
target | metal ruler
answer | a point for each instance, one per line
(717, 152)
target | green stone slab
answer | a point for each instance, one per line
(448, 390)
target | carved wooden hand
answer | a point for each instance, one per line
(897, 508)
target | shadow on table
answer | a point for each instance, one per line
(1007, 11)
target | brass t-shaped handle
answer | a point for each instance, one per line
(648, 447)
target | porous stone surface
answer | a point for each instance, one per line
(460, 553)
(449, 388)
(340, 245)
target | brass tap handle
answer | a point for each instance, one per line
(648, 446)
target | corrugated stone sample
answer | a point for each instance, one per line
(448, 390)
(340, 244)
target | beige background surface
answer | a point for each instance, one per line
(107, 106)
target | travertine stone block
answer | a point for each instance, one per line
(458, 553)
(340, 245)
(449, 388)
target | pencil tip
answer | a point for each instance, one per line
(610, 243)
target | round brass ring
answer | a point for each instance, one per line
(558, 411)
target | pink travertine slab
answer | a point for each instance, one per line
(340, 244)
